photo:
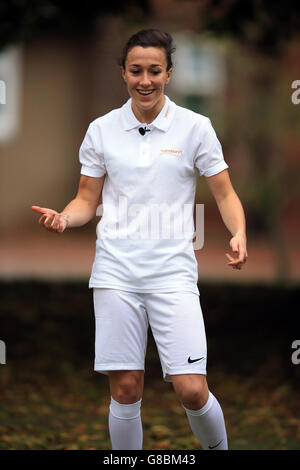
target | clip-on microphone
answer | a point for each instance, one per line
(143, 130)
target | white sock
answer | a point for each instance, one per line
(125, 426)
(208, 425)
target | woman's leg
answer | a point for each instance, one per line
(203, 410)
(120, 347)
(178, 328)
(125, 425)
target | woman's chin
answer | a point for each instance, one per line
(147, 105)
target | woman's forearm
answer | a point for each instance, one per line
(232, 213)
(79, 212)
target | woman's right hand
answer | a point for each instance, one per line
(51, 219)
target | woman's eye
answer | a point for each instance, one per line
(136, 72)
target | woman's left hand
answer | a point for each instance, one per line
(238, 246)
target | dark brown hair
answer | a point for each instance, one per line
(150, 38)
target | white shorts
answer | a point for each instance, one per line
(122, 320)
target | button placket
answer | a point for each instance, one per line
(144, 151)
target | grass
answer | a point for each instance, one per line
(52, 399)
(68, 410)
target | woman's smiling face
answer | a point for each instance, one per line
(146, 75)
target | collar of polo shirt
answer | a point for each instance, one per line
(162, 121)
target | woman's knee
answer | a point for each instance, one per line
(191, 389)
(126, 387)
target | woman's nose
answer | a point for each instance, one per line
(145, 79)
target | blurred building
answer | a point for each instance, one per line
(53, 87)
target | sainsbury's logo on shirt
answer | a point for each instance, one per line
(177, 153)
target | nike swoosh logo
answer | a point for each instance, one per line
(213, 447)
(194, 360)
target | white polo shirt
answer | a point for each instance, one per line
(144, 238)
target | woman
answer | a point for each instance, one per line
(146, 156)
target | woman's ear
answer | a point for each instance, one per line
(123, 73)
(169, 73)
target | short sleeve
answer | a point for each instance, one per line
(209, 157)
(91, 153)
